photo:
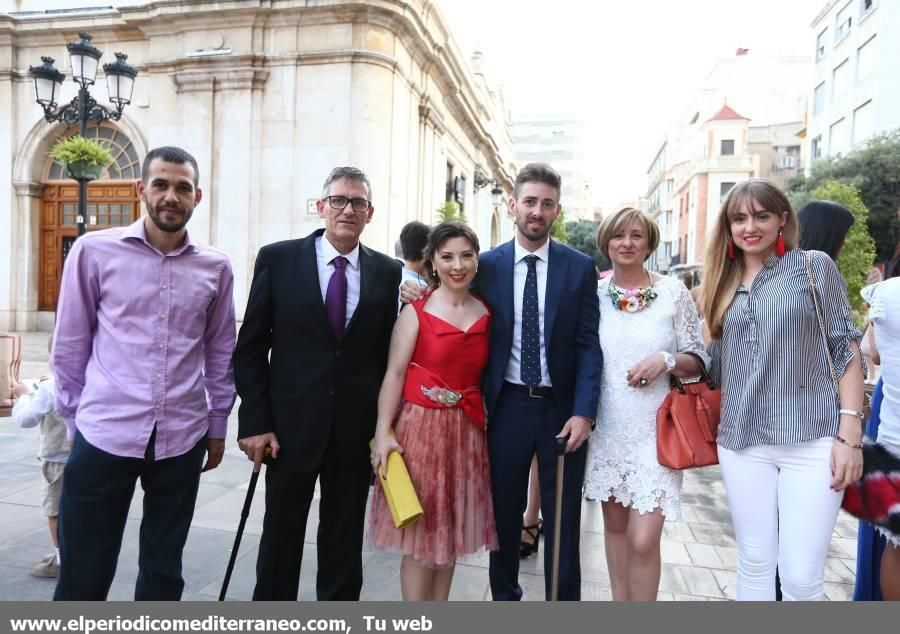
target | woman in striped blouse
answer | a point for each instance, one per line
(788, 443)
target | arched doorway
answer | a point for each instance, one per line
(111, 201)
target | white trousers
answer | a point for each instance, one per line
(783, 510)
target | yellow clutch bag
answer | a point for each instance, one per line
(399, 492)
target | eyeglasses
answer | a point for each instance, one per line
(359, 205)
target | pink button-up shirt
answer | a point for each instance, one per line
(144, 339)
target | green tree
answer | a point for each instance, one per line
(449, 211)
(858, 254)
(558, 230)
(875, 171)
(583, 237)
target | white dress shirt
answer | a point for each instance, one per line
(325, 253)
(520, 272)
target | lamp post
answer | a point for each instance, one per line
(85, 58)
(480, 180)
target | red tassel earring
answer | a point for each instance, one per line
(779, 245)
(730, 250)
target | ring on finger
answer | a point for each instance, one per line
(643, 381)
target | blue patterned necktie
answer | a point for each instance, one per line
(531, 327)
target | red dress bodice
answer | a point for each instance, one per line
(449, 358)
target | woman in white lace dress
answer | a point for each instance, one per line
(648, 324)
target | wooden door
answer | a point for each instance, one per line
(109, 204)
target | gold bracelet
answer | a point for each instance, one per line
(847, 442)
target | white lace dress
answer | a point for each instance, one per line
(621, 459)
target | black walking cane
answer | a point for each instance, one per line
(557, 513)
(245, 512)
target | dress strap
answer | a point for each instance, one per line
(419, 304)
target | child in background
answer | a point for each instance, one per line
(33, 409)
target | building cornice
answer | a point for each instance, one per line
(823, 12)
(417, 23)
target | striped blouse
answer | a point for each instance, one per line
(770, 361)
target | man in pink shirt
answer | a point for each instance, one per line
(142, 354)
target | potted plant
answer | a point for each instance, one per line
(85, 159)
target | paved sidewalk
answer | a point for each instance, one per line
(698, 552)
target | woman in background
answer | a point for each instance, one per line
(870, 544)
(884, 314)
(824, 226)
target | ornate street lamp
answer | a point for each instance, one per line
(85, 59)
(496, 196)
(47, 83)
(119, 81)
(480, 180)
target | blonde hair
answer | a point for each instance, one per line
(722, 275)
(622, 219)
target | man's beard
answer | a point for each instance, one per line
(169, 227)
(533, 234)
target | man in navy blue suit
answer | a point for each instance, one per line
(542, 378)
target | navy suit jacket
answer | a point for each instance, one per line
(571, 324)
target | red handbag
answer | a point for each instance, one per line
(687, 422)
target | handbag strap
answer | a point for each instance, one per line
(815, 296)
(678, 384)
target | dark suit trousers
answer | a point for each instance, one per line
(520, 427)
(344, 489)
(97, 491)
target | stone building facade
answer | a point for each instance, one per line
(268, 96)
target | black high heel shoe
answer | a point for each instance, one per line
(526, 548)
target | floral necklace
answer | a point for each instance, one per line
(631, 300)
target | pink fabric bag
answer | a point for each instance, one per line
(10, 361)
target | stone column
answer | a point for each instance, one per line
(195, 100)
(25, 257)
(221, 125)
(7, 152)
(431, 160)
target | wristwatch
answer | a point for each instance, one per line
(669, 360)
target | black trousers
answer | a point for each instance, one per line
(344, 489)
(97, 491)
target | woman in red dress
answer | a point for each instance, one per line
(431, 400)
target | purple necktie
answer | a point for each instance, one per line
(336, 296)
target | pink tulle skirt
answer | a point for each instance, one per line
(447, 459)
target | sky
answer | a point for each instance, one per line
(627, 68)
